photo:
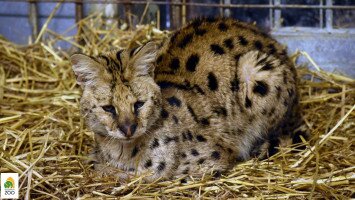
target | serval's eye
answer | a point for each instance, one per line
(137, 106)
(109, 108)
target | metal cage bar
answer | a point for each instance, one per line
(261, 6)
(329, 16)
(178, 10)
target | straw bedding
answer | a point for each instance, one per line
(43, 138)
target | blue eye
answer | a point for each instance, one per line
(137, 106)
(109, 108)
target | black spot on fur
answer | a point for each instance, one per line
(159, 59)
(164, 114)
(200, 138)
(183, 155)
(200, 32)
(215, 155)
(148, 163)
(134, 151)
(222, 26)
(272, 111)
(228, 43)
(243, 41)
(248, 103)
(168, 139)
(189, 135)
(186, 40)
(205, 122)
(258, 45)
(212, 81)
(193, 114)
(154, 144)
(161, 166)
(194, 152)
(174, 101)
(176, 120)
(215, 48)
(272, 49)
(192, 62)
(220, 111)
(167, 84)
(175, 64)
(261, 88)
(235, 84)
(201, 161)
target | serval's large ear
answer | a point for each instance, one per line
(87, 70)
(144, 58)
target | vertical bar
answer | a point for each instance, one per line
(33, 17)
(168, 14)
(277, 15)
(329, 15)
(227, 11)
(188, 10)
(128, 13)
(158, 18)
(183, 12)
(175, 15)
(78, 10)
(79, 16)
(271, 14)
(321, 15)
(221, 8)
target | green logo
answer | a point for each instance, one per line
(10, 183)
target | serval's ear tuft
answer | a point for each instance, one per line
(144, 59)
(86, 69)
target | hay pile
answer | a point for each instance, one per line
(43, 138)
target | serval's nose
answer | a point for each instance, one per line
(128, 128)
